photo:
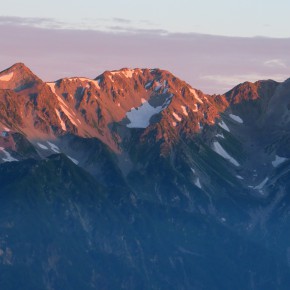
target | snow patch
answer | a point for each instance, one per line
(167, 102)
(278, 160)
(236, 118)
(61, 121)
(69, 115)
(176, 117)
(184, 110)
(195, 109)
(140, 117)
(42, 146)
(52, 87)
(128, 73)
(62, 101)
(110, 78)
(96, 83)
(84, 79)
(196, 95)
(262, 184)
(221, 151)
(53, 147)
(197, 183)
(7, 77)
(8, 157)
(89, 82)
(73, 160)
(223, 125)
(158, 87)
(220, 136)
(148, 85)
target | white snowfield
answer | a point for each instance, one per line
(61, 121)
(197, 183)
(73, 160)
(221, 151)
(140, 117)
(89, 81)
(8, 157)
(193, 91)
(195, 109)
(111, 79)
(128, 73)
(53, 147)
(69, 115)
(236, 118)
(56, 149)
(7, 77)
(220, 136)
(223, 125)
(278, 160)
(176, 117)
(52, 87)
(157, 87)
(148, 85)
(66, 110)
(42, 146)
(184, 110)
(262, 184)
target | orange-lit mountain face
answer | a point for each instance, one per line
(134, 110)
(136, 180)
(124, 99)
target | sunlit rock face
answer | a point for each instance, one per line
(136, 180)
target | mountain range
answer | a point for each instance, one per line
(136, 180)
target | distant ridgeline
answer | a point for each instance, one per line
(136, 180)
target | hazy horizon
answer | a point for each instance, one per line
(211, 45)
(213, 64)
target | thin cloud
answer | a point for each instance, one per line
(231, 80)
(133, 30)
(31, 22)
(121, 20)
(213, 64)
(275, 63)
(99, 24)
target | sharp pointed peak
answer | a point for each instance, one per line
(16, 66)
(18, 77)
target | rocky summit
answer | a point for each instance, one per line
(136, 180)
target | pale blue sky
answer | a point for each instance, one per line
(224, 17)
